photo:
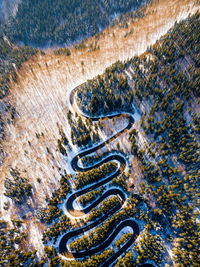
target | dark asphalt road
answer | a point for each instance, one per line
(77, 213)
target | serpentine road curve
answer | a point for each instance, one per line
(63, 249)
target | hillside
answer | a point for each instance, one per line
(150, 149)
(11, 59)
(61, 22)
(164, 89)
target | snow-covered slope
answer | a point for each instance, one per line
(41, 94)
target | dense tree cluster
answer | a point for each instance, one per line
(61, 148)
(106, 206)
(196, 123)
(94, 175)
(132, 139)
(11, 249)
(102, 232)
(17, 188)
(63, 21)
(120, 181)
(187, 246)
(105, 94)
(53, 259)
(151, 173)
(82, 132)
(90, 196)
(149, 246)
(94, 158)
(50, 256)
(126, 260)
(122, 240)
(90, 160)
(63, 51)
(95, 260)
(48, 214)
(63, 141)
(56, 229)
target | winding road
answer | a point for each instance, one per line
(63, 249)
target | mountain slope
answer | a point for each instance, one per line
(61, 22)
(40, 98)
